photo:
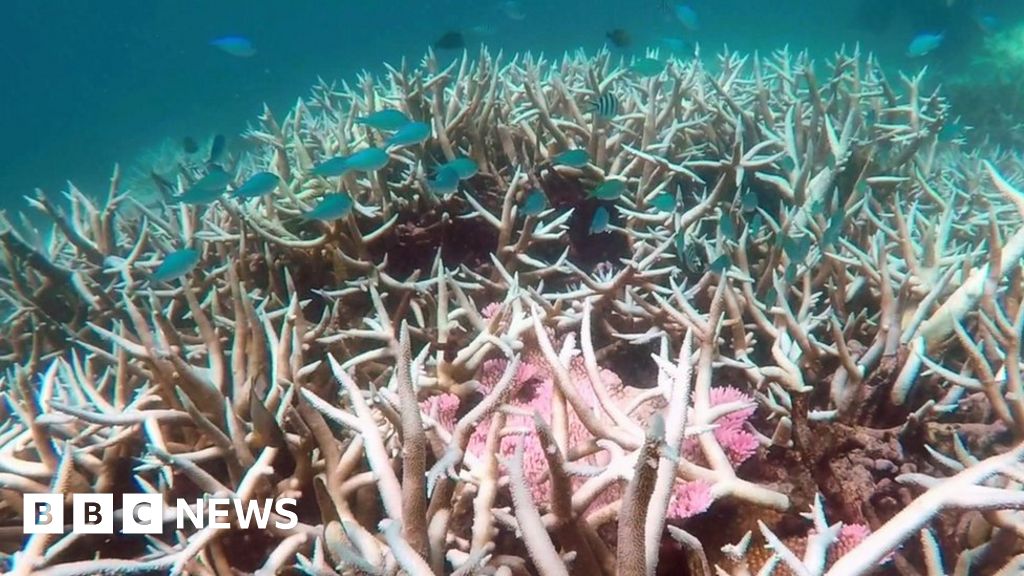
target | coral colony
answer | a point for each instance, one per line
(530, 316)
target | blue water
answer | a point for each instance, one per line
(88, 84)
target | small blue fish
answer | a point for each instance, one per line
(749, 201)
(259, 184)
(687, 16)
(755, 225)
(238, 46)
(721, 264)
(445, 182)
(790, 274)
(331, 207)
(599, 224)
(367, 160)
(924, 43)
(331, 167)
(535, 202)
(664, 202)
(466, 168)
(387, 119)
(198, 196)
(577, 158)
(797, 248)
(208, 188)
(215, 179)
(609, 190)
(726, 228)
(410, 134)
(175, 265)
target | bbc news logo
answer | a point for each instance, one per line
(144, 513)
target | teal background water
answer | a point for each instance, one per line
(86, 84)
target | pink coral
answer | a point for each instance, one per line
(725, 395)
(739, 445)
(850, 535)
(689, 499)
(533, 390)
(490, 310)
(443, 408)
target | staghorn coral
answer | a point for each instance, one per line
(829, 258)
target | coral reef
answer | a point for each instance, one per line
(795, 348)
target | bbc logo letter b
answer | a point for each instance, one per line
(93, 513)
(43, 514)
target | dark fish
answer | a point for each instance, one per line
(619, 37)
(450, 40)
(189, 145)
(217, 148)
(163, 185)
(606, 106)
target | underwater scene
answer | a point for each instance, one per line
(512, 287)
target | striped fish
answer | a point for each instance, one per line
(606, 106)
(692, 259)
(687, 251)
